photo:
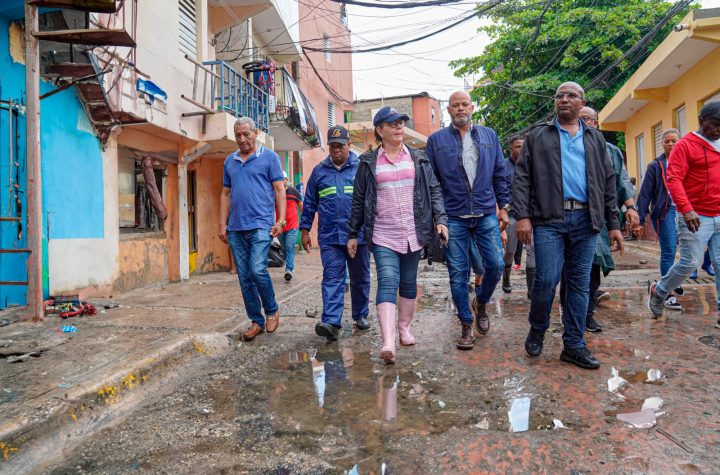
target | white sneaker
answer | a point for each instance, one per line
(671, 303)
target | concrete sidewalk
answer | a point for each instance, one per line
(148, 333)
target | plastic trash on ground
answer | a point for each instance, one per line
(653, 403)
(640, 420)
(519, 414)
(615, 382)
(557, 424)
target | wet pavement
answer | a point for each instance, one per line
(292, 403)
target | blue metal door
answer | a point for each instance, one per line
(13, 222)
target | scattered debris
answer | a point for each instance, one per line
(640, 420)
(519, 414)
(4, 322)
(654, 403)
(442, 404)
(69, 329)
(483, 424)
(311, 313)
(615, 382)
(643, 261)
(654, 375)
(674, 440)
(557, 424)
(23, 358)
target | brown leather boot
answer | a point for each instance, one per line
(482, 321)
(253, 330)
(466, 340)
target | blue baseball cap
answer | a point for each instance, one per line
(388, 115)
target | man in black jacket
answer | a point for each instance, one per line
(563, 194)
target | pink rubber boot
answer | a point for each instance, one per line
(406, 311)
(386, 316)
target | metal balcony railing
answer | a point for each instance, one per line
(217, 87)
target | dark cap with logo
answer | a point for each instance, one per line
(711, 110)
(388, 115)
(338, 134)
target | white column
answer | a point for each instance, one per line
(183, 220)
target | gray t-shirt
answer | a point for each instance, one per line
(469, 157)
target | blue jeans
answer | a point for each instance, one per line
(476, 263)
(485, 233)
(692, 246)
(287, 241)
(666, 230)
(336, 262)
(570, 244)
(395, 272)
(250, 253)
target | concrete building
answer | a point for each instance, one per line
(154, 103)
(424, 112)
(668, 89)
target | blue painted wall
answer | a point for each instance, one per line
(72, 169)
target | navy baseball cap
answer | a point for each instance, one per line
(338, 134)
(388, 115)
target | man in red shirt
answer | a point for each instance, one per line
(693, 177)
(290, 231)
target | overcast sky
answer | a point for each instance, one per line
(422, 66)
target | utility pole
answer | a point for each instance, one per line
(34, 170)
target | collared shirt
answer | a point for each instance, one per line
(252, 197)
(572, 155)
(469, 156)
(394, 226)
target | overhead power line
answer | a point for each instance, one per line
(430, 3)
(487, 7)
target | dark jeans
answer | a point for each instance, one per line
(395, 272)
(570, 244)
(250, 252)
(336, 262)
(485, 233)
(595, 278)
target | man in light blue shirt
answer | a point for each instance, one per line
(252, 188)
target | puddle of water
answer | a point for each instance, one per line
(519, 414)
(710, 340)
(650, 376)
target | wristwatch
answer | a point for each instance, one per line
(506, 207)
(632, 207)
(282, 222)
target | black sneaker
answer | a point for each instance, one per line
(579, 357)
(592, 325)
(534, 342)
(326, 330)
(671, 303)
(362, 323)
(288, 275)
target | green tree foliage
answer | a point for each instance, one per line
(536, 45)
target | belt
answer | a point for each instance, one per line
(571, 205)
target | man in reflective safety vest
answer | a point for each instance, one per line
(329, 194)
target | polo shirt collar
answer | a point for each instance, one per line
(257, 153)
(582, 126)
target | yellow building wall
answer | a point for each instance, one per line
(699, 83)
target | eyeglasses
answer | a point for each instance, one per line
(398, 124)
(586, 118)
(570, 95)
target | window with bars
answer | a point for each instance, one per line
(331, 114)
(657, 131)
(187, 30)
(326, 47)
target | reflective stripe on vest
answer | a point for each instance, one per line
(327, 192)
(348, 190)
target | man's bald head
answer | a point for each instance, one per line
(569, 99)
(460, 108)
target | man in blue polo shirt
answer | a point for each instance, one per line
(563, 195)
(252, 189)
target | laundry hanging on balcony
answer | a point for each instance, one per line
(302, 114)
(151, 90)
(263, 74)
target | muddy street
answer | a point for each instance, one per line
(293, 403)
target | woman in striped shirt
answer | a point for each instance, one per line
(398, 200)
